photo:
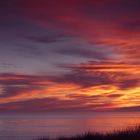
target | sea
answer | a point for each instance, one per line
(53, 125)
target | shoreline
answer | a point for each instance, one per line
(131, 133)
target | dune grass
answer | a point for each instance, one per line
(127, 134)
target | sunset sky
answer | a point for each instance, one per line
(69, 55)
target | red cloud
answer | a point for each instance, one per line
(113, 79)
(114, 24)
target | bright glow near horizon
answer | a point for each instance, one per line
(72, 55)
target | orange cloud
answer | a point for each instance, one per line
(115, 92)
(108, 78)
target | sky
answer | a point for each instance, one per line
(69, 55)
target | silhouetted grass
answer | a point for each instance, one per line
(127, 134)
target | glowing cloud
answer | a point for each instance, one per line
(69, 55)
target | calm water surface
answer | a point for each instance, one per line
(19, 127)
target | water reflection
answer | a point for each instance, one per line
(64, 125)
